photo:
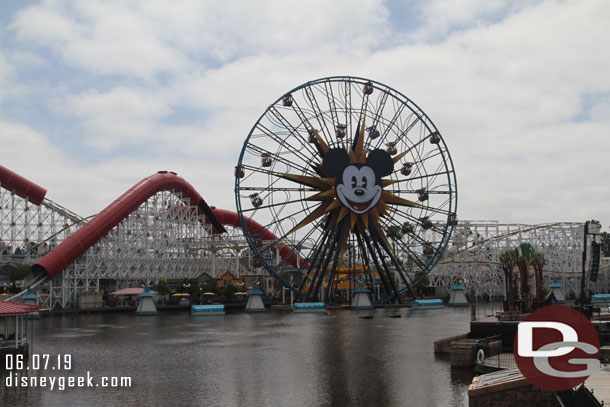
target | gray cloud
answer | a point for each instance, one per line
(519, 90)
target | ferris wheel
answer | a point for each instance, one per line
(345, 181)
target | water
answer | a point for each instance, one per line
(271, 359)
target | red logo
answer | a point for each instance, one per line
(556, 348)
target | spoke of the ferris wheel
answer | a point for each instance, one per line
(430, 177)
(380, 107)
(389, 126)
(414, 235)
(380, 271)
(343, 229)
(316, 257)
(322, 261)
(283, 203)
(284, 235)
(315, 106)
(395, 262)
(365, 260)
(327, 258)
(322, 265)
(379, 251)
(289, 163)
(292, 130)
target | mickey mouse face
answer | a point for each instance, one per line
(358, 190)
(358, 185)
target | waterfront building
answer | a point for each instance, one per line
(458, 296)
(255, 300)
(557, 291)
(362, 298)
(14, 329)
(147, 304)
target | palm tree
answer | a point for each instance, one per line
(538, 263)
(524, 262)
(508, 261)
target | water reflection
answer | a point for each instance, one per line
(272, 359)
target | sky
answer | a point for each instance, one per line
(97, 95)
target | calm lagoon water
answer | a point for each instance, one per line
(271, 359)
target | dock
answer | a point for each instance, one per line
(599, 384)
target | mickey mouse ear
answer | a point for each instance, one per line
(335, 160)
(381, 162)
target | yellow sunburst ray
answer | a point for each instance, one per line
(333, 219)
(365, 221)
(399, 156)
(342, 213)
(308, 181)
(323, 196)
(319, 211)
(334, 205)
(322, 143)
(320, 167)
(379, 230)
(374, 214)
(353, 219)
(343, 244)
(390, 198)
(359, 152)
(382, 207)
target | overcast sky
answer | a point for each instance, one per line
(96, 95)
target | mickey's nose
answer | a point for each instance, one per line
(359, 192)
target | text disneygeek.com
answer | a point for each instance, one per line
(25, 372)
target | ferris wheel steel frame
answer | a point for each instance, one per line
(319, 118)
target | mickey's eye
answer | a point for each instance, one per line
(364, 182)
(354, 181)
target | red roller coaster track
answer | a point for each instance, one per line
(76, 244)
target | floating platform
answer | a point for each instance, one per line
(309, 307)
(207, 310)
(427, 304)
(600, 299)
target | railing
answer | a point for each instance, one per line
(491, 355)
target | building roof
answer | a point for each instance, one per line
(255, 291)
(29, 295)
(18, 308)
(362, 289)
(227, 273)
(146, 293)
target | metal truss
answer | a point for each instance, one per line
(473, 256)
(165, 238)
(28, 231)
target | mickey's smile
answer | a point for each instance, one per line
(357, 206)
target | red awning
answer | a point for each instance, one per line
(18, 308)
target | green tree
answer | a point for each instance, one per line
(524, 262)
(163, 288)
(508, 262)
(538, 262)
